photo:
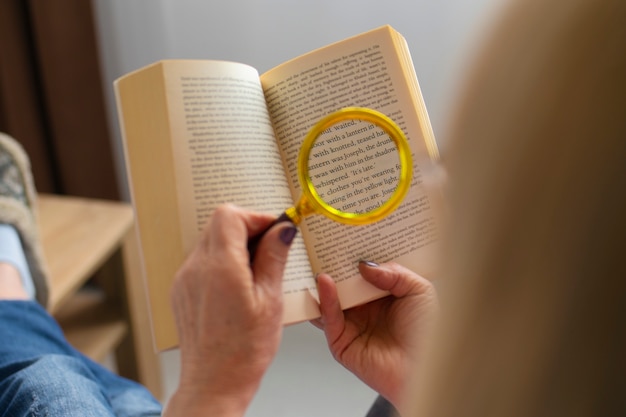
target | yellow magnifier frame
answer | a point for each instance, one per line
(310, 201)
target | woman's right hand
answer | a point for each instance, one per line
(228, 312)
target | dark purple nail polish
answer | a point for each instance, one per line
(369, 263)
(288, 234)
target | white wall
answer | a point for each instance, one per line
(264, 33)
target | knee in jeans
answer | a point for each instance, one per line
(53, 377)
(65, 385)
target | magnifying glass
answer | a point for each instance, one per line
(354, 167)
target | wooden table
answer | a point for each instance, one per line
(96, 287)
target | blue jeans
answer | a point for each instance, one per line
(41, 374)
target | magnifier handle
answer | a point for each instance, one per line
(253, 242)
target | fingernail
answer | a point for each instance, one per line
(288, 234)
(369, 263)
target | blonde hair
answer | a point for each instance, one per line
(534, 281)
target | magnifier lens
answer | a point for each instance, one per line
(355, 170)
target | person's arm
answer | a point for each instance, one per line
(228, 314)
(380, 341)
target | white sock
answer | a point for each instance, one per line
(12, 253)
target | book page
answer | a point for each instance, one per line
(226, 151)
(222, 140)
(365, 71)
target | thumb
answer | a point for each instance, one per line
(396, 279)
(271, 255)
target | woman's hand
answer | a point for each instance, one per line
(228, 313)
(379, 341)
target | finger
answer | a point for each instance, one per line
(396, 279)
(317, 323)
(238, 220)
(271, 255)
(258, 222)
(222, 248)
(332, 319)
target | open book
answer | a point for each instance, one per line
(201, 133)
